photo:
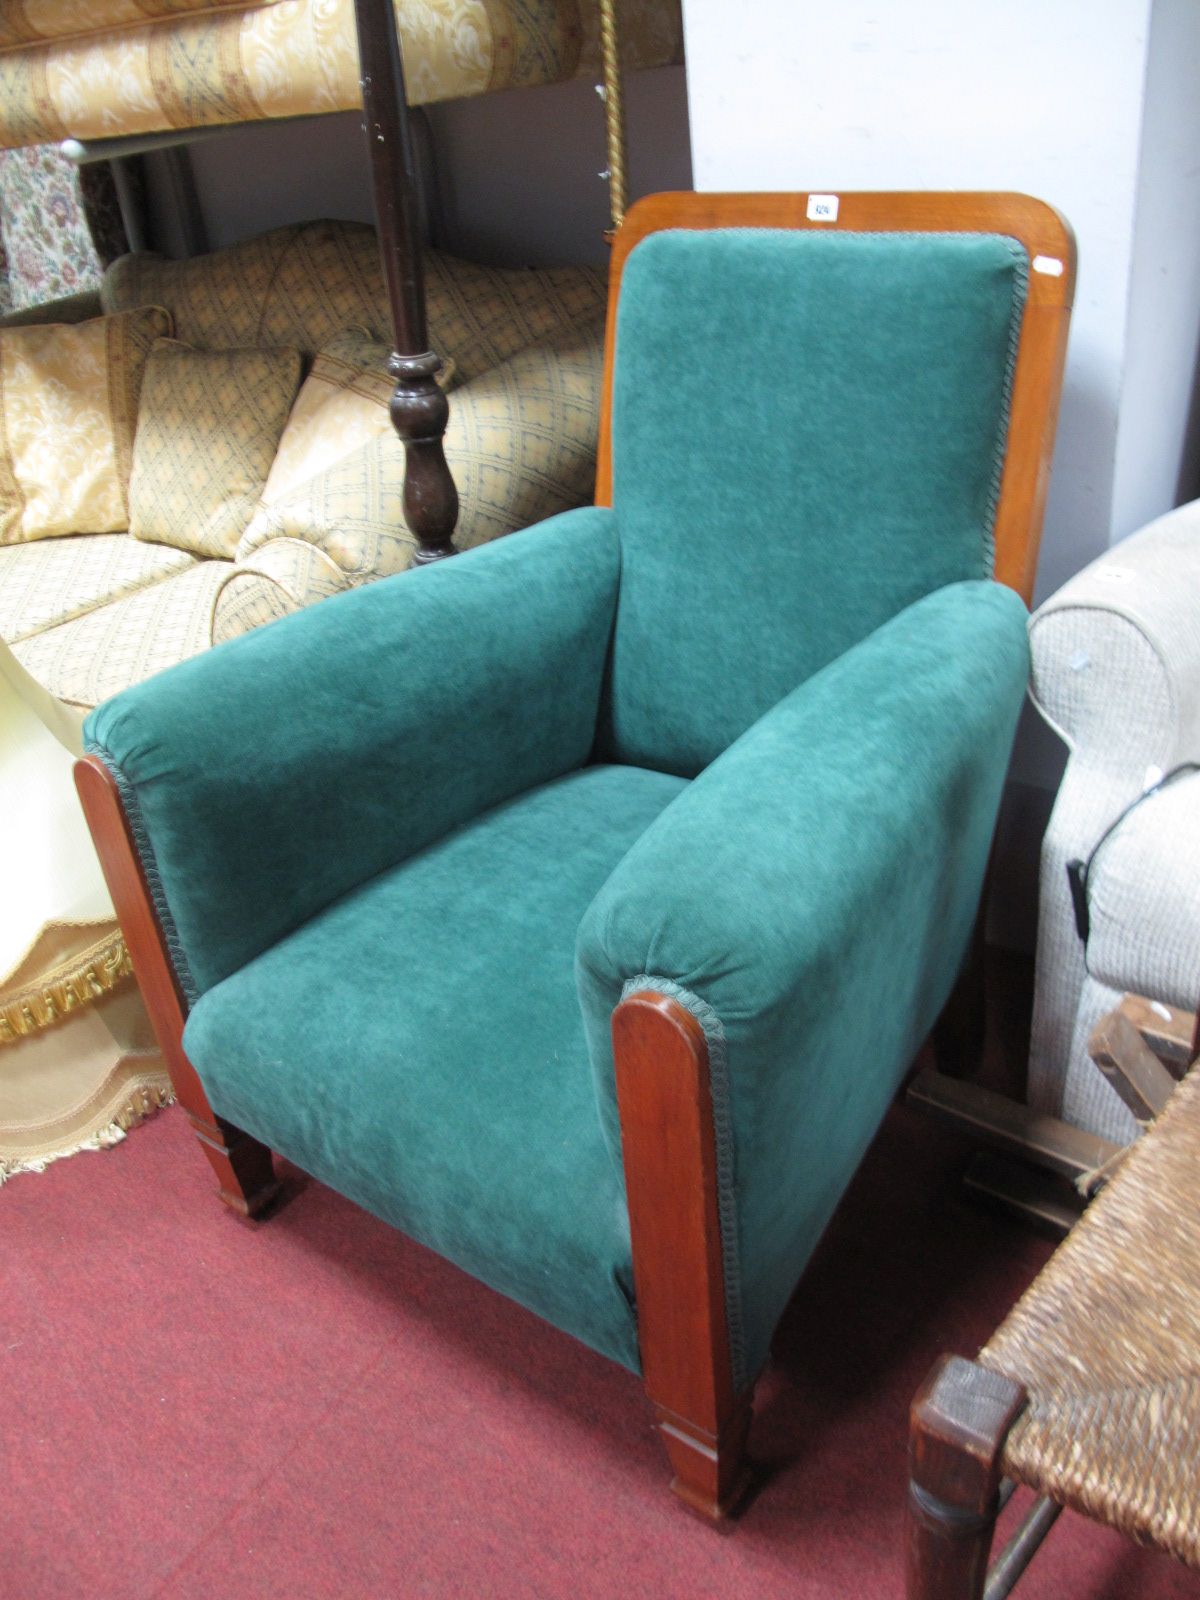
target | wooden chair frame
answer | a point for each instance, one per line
(662, 1067)
(1037, 227)
(963, 1413)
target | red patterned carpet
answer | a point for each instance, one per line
(194, 1406)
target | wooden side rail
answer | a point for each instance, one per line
(1143, 1048)
(242, 1165)
(1010, 1125)
(670, 1155)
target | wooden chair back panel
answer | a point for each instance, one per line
(1041, 231)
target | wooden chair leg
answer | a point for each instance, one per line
(958, 1425)
(958, 1034)
(244, 1169)
(711, 1471)
(242, 1165)
(669, 1151)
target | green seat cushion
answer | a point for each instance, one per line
(808, 434)
(419, 1047)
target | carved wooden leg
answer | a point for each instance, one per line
(242, 1165)
(958, 1424)
(669, 1151)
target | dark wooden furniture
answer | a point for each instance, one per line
(419, 408)
(1086, 1392)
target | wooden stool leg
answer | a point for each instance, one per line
(958, 1424)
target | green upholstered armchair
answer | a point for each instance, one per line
(577, 904)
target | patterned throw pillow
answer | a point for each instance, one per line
(209, 426)
(68, 411)
(521, 445)
(329, 277)
(216, 301)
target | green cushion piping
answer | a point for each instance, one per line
(1016, 318)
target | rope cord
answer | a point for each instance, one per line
(614, 111)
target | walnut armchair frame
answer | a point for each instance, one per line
(661, 1056)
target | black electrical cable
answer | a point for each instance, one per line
(1079, 871)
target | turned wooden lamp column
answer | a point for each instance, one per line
(419, 409)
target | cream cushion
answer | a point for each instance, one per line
(216, 300)
(521, 445)
(281, 576)
(97, 655)
(209, 428)
(301, 286)
(68, 409)
(54, 580)
(343, 403)
(1143, 900)
(252, 59)
(31, 21)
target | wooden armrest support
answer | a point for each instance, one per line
(242, 1165)
(1130, 1065)
(1170, 1032)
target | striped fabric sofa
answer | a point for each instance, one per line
(87, 615)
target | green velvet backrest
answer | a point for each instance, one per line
(808, 435)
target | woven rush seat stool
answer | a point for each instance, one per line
(1089, 1391)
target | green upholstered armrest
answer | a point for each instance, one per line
(274, 773)
(810, 897)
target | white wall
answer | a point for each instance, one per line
(1094, 108)
(520, 169)
(1158, 437)
(1043, 96)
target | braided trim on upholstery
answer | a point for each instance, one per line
(145, 850)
